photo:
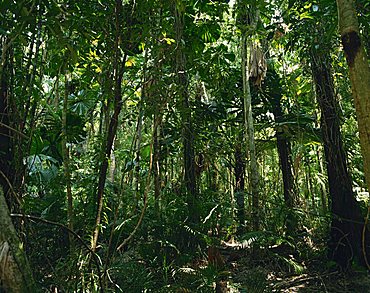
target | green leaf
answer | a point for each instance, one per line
(305, 15)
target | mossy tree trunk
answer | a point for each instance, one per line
(359, 73)
(247, 16)
(15, 272)
(346, 227)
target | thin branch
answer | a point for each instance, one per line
(300, 279)
(11, 187)
(14, 130)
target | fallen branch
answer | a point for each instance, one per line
(299, 279)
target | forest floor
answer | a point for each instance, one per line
(279, 270)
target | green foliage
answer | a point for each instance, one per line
(43, 44)
(131, 276)
(254, 280)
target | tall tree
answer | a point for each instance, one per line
(185, 110)
(66, 159)
(346, 228)
(273, 92)
(359, 73)
(119, 62)
(246, 21)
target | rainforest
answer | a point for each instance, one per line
(184, 146)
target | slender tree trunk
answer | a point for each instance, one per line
(139, 127)
(118, 75)
(359, 73)
(187, 131)
(249, 126)
(239, 185)
(15, 272)
(113, 163)
(310, 186)
(66, 161)
(247, 17)
(289, 186)
(157, 161)
(6, 167)
(136, 177)
(307, 192)
(346, 230)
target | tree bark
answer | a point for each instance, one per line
(15, 272)
(359, 73)
(346, 227)
(187, 130)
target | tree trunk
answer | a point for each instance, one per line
(139, 128)
(359, 73)
(118, 74)
(289, 186)
(157, 161)
(247, 17)
(346, 227)
(15, 272)
(187, 130)
(249, 127)
(274, 95)
(66, 161)
(323, 193)
(239, 185)
(136, 176)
